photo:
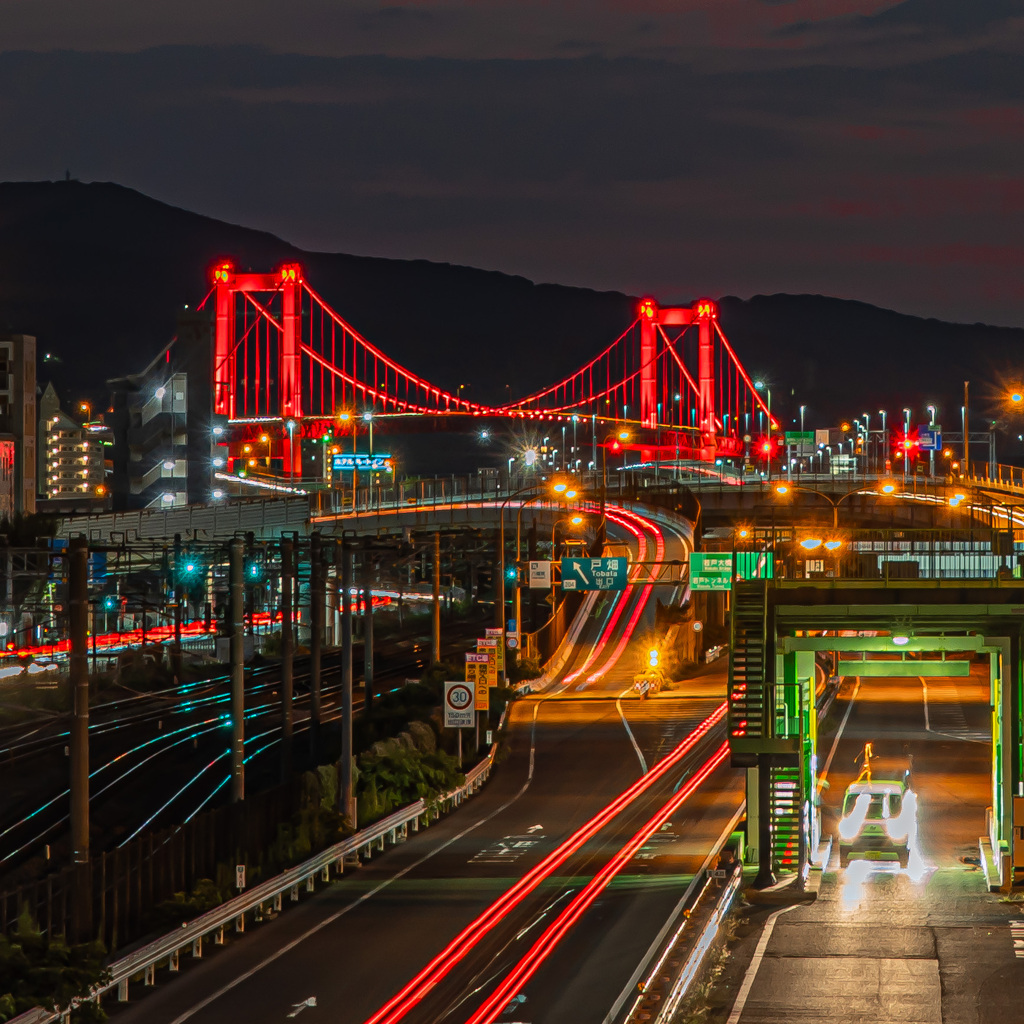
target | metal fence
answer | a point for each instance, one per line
(267, 897)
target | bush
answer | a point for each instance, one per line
(183, 907)
(35, 971)
(400, 776)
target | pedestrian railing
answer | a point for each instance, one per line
(266, 898)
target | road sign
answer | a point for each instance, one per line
(512, 641)
(379, 463)
(491, 647)
(930, 438)
(478, 676)
(493, 633)
(594, 573)
(510, 626)
(458, 705)
(540, 575)
(239, 877)
(710, 571)
(799, 437)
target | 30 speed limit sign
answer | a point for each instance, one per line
(458, 705)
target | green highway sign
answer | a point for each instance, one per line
(710, 571)
(594, 573)
(799, 437)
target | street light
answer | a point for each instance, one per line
(291, 451)
(783, 489)
(758, 385)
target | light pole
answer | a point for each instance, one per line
(291, 451)
(885, 439)
(785, 488)
(758, 385)
(906, 443)
(931, 451)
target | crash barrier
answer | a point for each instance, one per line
(266, 898)
(663, 977)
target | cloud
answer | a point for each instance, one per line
(633, 173)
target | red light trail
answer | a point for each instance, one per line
(556, 931)
(421, 984)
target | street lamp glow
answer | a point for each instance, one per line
(576, 520)
(833, 545)
(901, 640)
(1017, 397)
(623, 435)
(559, 488)
(888, 487)
(782, 489)
(570, 494)
(810, 543)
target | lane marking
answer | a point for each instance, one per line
(298, 940)
(629, 732)
(659, 939)
(755, 963)
(835, 743)
(965, 737)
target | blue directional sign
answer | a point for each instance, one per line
(594, 573)
(380, 463)
(930, 438)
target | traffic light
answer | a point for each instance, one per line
(109, 603)
(653, 657)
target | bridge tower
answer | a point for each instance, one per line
(286, 282)
(703, 313)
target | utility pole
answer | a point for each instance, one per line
(367, 626)
(287, 654)
(176, 655)
(78, 606)
(237, 609)
(316, 636)
(346, 796)
(965, 470)
(436, 633)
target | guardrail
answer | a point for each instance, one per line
(266, 897)
(663, 977)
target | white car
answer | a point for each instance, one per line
(879, 820)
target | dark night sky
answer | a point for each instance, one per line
(859, 148)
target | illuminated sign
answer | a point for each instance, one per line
(382, 463)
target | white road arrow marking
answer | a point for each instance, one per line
(535, 828)
(297, 1008)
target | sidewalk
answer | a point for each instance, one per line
(879, 947)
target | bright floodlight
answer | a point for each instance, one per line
(1017, 397)
(576, 520)
(558, 488)
(811, 543)
(570, 495)
(832, 545)
(782, 489)
(901, 640)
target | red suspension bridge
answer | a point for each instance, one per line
(282, 357)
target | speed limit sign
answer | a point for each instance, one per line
(458, 705)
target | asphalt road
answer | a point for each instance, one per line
(355, 944)
(929, 944)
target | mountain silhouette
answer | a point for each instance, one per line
(98, 272)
